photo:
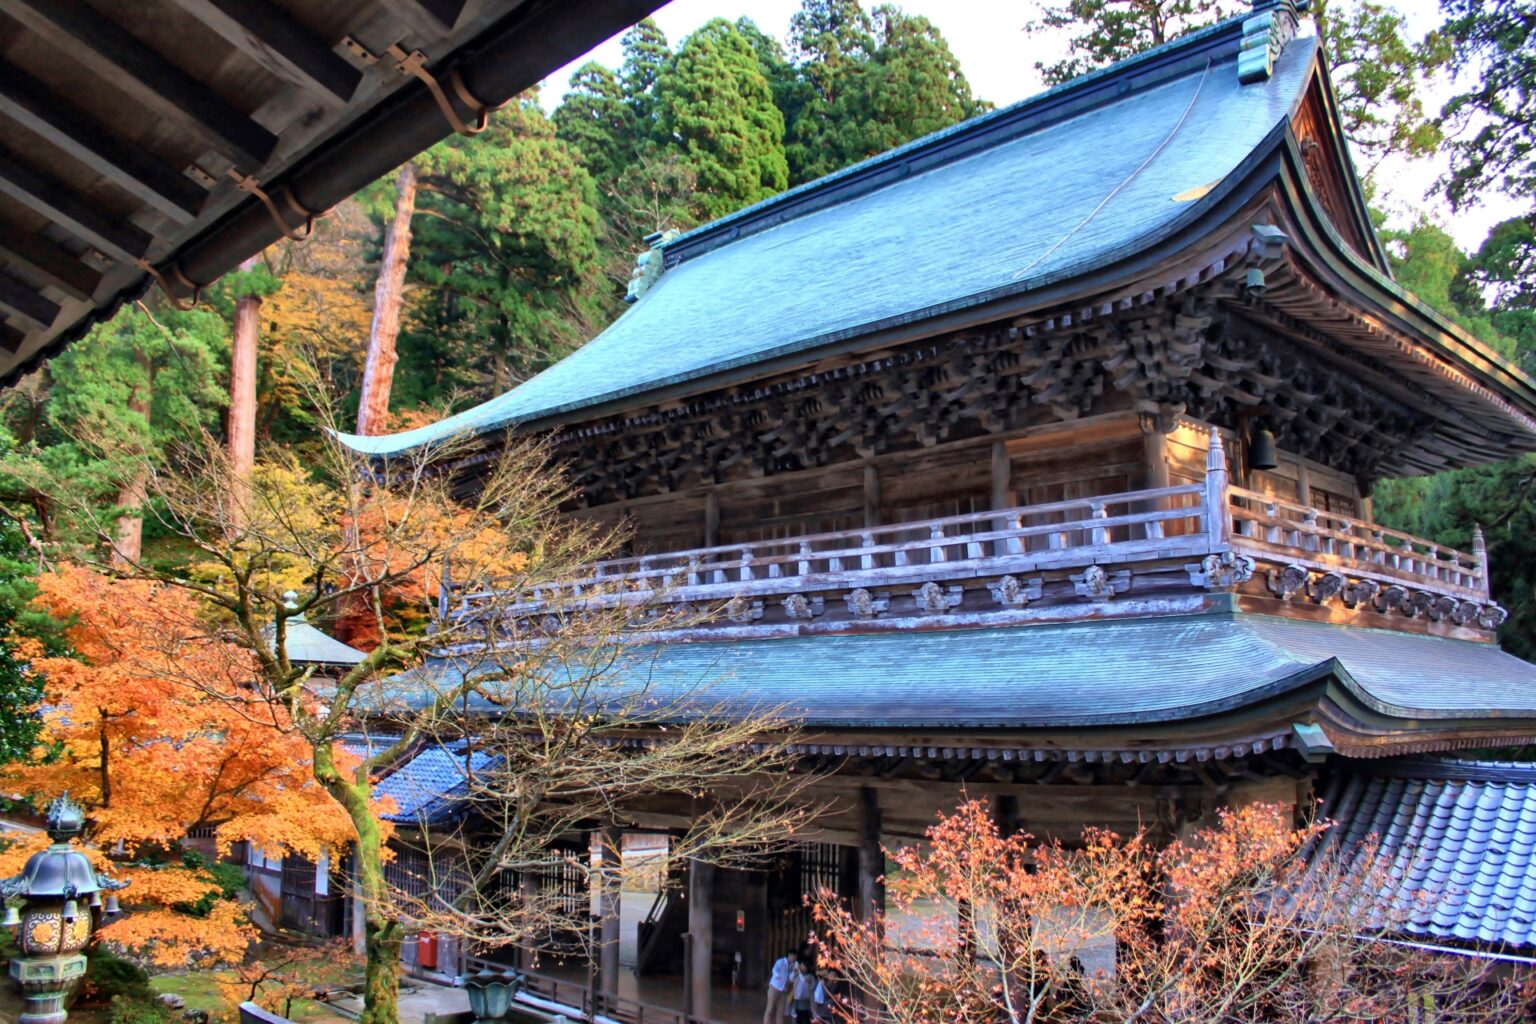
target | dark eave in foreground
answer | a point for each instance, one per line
(124, 129)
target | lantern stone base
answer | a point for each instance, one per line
(45, 982)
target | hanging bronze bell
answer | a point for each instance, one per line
(1261, 450)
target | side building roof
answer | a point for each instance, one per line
(1456, 838)
(1021, 202)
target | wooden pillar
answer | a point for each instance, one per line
(1002, 476)
(711, 519)
(1303, 483)
(871, 496)
(871, 857)
(1005, 811)
(1218, 514)
(1154, 446)
(610, 841)
(701, 929)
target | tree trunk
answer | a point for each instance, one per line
(383, 936)
(128, 544)
(242, 401)
(379, 371)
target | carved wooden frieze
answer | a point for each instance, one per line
(864, 605)
(933, 599)
(1222, 571)
(1099, 584)
(1012, 592)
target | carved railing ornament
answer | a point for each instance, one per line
(1012, 592)
(933, 599)
(1491, 616)
(1221, 571)
(1288, 581)
(798, 606)
(864, 605)
(1360, 592)
(1098, 584)
(1392, 598)
(742, 611)
(1326, 585)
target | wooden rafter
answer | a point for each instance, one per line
(10, 339)
(268, 36)
(62, 205)
(30, 103)
(429, 16)
(53, 263)
(19, 297)
(145, 75)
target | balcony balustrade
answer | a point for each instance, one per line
(1140, 531)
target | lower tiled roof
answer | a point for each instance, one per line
(1457, 838)
(431, 788)
(1127, 671)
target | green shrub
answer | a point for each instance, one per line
(109, 977)
(138, 1011)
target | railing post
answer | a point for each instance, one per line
(1218, 495)
(804, 564)
(1480, 552)
(1098, 536)
(867, 541)
(1309, 538)
(936, 533)
(745, 573)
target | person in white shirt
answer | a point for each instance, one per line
(778, 988)
(804, 983)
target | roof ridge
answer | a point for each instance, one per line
(1451, 769)
(1076, 96)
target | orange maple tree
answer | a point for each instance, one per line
(1245, 920)
(152, 757)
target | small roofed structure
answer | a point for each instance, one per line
(309, 646)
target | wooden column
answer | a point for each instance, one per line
(711, 519)
(1218, 513)
(871, 856)
(611, 842)
(871, 496)
(701, 929)
(1005, 811)
(1002, 476)
(1303, 483)
(1154, 446)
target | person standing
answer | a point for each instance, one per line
(802, 989)
(779, 979)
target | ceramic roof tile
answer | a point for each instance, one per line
(1477, 882)
(1096, 673)
(431, 787)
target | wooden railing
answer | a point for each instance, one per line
(1277, 529)
(1164, 523)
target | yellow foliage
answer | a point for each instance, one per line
(170, 939)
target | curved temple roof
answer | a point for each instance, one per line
(1083, 176)
(1130, 672)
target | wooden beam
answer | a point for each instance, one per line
(30, 103)
(106, 49)
(10, 339)
(19, 297)
(60, 204)
(431, 17)
(54, 263)
(267, 35)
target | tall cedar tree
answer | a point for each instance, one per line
(1495, 145)
(646, 53)
(20, 688)
(506, 247)
(716, 104)
(870, 82)
(126, 392)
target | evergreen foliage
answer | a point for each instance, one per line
(1495, 144)
(506, 254)
(716, 104)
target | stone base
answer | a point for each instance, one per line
(45, 982)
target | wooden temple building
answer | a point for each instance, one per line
(1035, 457)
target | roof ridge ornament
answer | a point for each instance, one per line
(648, 265)
(1265, 34)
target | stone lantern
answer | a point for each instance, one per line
(60, 905)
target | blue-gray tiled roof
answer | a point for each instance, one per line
(1151, 669)
(1458, 838)
(430, 787)
(1032, 194)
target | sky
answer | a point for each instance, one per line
(998, 59)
